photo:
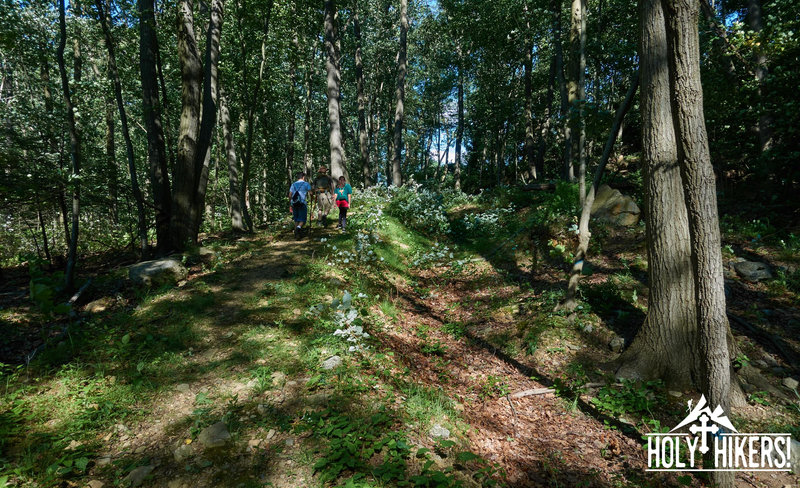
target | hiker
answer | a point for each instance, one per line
(343, 191)
(323, 189)
(297, 202)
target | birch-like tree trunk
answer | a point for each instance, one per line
(363, 140)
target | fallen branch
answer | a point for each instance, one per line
(532, 392)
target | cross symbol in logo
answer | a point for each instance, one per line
(702, 430)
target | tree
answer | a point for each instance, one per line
(699, 186)
(338, 167)
(74, 151)
(400, 93)
(363, 140)
(670, 328)
(105, 20)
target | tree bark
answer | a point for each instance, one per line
(105, 20)
(577, 93)
(74, 150)
(237, 223)
(697, 176)
(670, 328)
(337, 156)
(400, 93)
(363, 140)
(307, 155)
(208, 118)
(530, 152)
(151, 106)
(185, 178)
(567, 173)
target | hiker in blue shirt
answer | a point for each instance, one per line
(297, 201)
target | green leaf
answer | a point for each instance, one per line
(466, 456)
(126, 338)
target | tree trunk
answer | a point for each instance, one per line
(547, 119)
(105, 20)
(74, 150)
(209, 114)
(233, 165)
(583, 226)
(577, 92)
(251, 111)
(400, 93)
(186, 177)
(337, 156)
(307, 156)
(156, 148)
(568, 172)
(530, 152)
(699, 188)
(363, 140)
(292, 119)
(670, 328)
(764, 119)
(460, 128)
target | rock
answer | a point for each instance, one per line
(771, 361)
(270, 434)
(103, 461)
(779, 371)
(587, 328)
(182, 453)
(331, 363)
(612, 206)
(795, 457)
(748, 388)
(752, 271)
(158, 272)
(676, 394)
(790, 383)
(137, 476)
(760, 364)
(216, 435)
(617, 344)
(278, 378)
(289, 442)
(99, 305)
(95, 484)
(183, 388)
(254, 443)
(206, 255)
(439, 432)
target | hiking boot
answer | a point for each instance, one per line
(297, 232)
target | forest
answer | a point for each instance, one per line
(567, 230)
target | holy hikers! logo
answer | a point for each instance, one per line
(710, 430)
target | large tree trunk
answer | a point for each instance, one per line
(338, 167)
(209, 115)
(74, 151)
(670, 329)
(363, 140)
(699, 188)
(577, 93)
(237, 223)
(105, 20)
(186, 175)
(156, 148)
(400, 94)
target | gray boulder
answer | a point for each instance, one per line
(216, 435)
(137, 476)
(158, 272)
(752, 271)
(612, 206)
(332, 362)
(439, 432)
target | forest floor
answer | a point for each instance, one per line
(226, 380)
